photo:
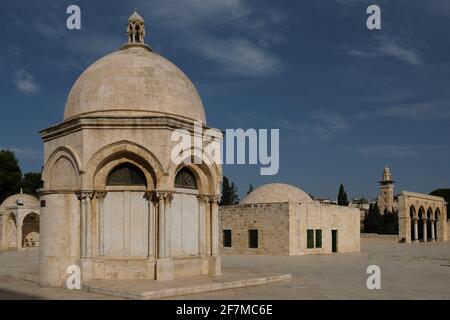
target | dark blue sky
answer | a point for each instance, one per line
(347, 100)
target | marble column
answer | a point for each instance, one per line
(168, 204)
(215, 225)
(416, 230)
(82, 199)
(161, 228)
(100, 196)
(88, 231)
(433, 238)
(424, 225)
(150, 226)
(202, 206)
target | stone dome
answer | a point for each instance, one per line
(277, 192)
(134, 81)
(27, 200)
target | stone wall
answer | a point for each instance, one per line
(282, 228)
(383, 237)
(325, 217)
(271, 221)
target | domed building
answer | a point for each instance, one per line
(275, 193)
(19, 222)
(114, 202)
(281, 219)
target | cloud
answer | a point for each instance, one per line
(387, 151)
(389, 46)
(321, 125)
(439, 8)
(423, 110)
(232, 34)
(398, 152)
(25, 82)
(235, 35)
(238, 57)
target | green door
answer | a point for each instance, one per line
(334, 240)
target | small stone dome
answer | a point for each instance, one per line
(277, 192)
(26, 200)
(134, 81)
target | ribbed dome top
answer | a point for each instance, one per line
(134, 82)
(277, 192)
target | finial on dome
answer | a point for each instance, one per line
(136, 29)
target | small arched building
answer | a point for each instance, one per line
(19, 222)
(114, 202)
(280, 219)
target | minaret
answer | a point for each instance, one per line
(386, 198)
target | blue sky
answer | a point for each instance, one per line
(347, 100)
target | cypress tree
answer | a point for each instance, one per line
(342, 196)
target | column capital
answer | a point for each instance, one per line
(165, 194)
(215, 198)
(100, 195)
(149, 195)
(83, 195)
(203, 197)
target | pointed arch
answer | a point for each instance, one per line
(62, 170)
(208, 174)
(107, 158)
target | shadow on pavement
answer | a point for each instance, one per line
(12, 295)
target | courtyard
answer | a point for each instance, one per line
(415, 271)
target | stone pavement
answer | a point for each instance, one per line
(146, 290)
(416, 271)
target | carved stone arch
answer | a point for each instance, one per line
(437, 214)
(30, 229)
(67, 154)
(186, 179)
(421, 212)
(413, 211)
(430, 213)
(209, 176)
(109, 157)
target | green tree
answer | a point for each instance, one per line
(31, 182)
(372, 220)
(250, 189)
(10, 174)
(229, 193)
(342, 196)
(444, 193)
(388, 223)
